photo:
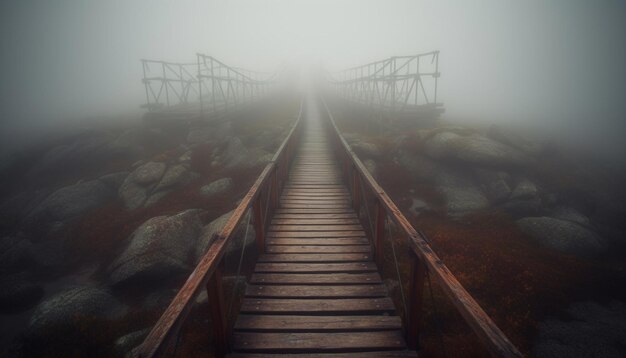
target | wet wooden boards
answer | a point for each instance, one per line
(315, 291)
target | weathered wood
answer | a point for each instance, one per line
(306, 228)
(315, 221)
(314, 216)
(259, 227)
(313, 234)
(315, 279)
(217, 310)
(317, 323)
(314, 257)
(378, 354)
(379, 235)
(316, 267)
(317, 306)
(317, 342)
(325, 241)
(317, 249)
(416, 300)
(316, 291)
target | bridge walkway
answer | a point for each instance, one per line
(316, 289)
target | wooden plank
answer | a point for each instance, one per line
(314, 267)
(315, 198)
(317, 249)
(317, 306)
(323, 241)
(266, 323)
(327, 202)
(317, 342)
(313, 291)
(315, 221)
(314, 257)
(315, 206)
(346, 210)
(305, 228)
(315, 279)
(313, 234)
(347, 215)
(378, 354)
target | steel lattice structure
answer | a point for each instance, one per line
(399, 83)
(207, 86)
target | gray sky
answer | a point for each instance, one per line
(554, 62)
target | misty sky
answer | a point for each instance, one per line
(556, 61)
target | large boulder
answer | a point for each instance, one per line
(208, 234)
(562, 235)
(162, 246)
(589, 330)
(525, 189)
(75, 303)
(15, 252)
(473, 149)
(68, 203)
(235, 154)
(463, 199)
(175, 175)
(514, 140)
(216, 187)
(494, 184)
(139, 184)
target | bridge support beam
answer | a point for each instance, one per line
(416, 301)
(217, 310)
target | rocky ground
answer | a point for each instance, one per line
(534, 232)
(99, 228)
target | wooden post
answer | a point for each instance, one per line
(259, 225)
(218, 312)
(416, 300)
(379, 235)
(356, 191)
(275, 188)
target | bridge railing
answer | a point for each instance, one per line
(211, 83)
(424, 260)
(399, 83)
(261, 200)
(169, 83)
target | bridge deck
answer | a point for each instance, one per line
(316, 289)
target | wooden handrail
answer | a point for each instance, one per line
(425, 260)
(208, 272)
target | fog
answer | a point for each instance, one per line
(555, 63)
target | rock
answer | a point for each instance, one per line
(514, 140)
(217, 187)
(200, 135)
(590, 330)
(82, 301)
(174, 176)
(461, 199)
(419, 167)
(18, 294)
(128, 342)
(15, 252)
(159, 300)
(523, 207)
(114, 180)
(133, 194)
(14, 209)
(366, 149)
(494, 183)
(525, 189)
(154, 198)
(69, 202)
(418, 206)
(208, 234)
(562, 235)
(572, 215)
(370, 165)
(186, 157)
(160, 247)
(235, 154)
(148, 173)
(473, 149)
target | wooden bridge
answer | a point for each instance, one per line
(316, 290)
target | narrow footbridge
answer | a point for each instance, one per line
(316, 290)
